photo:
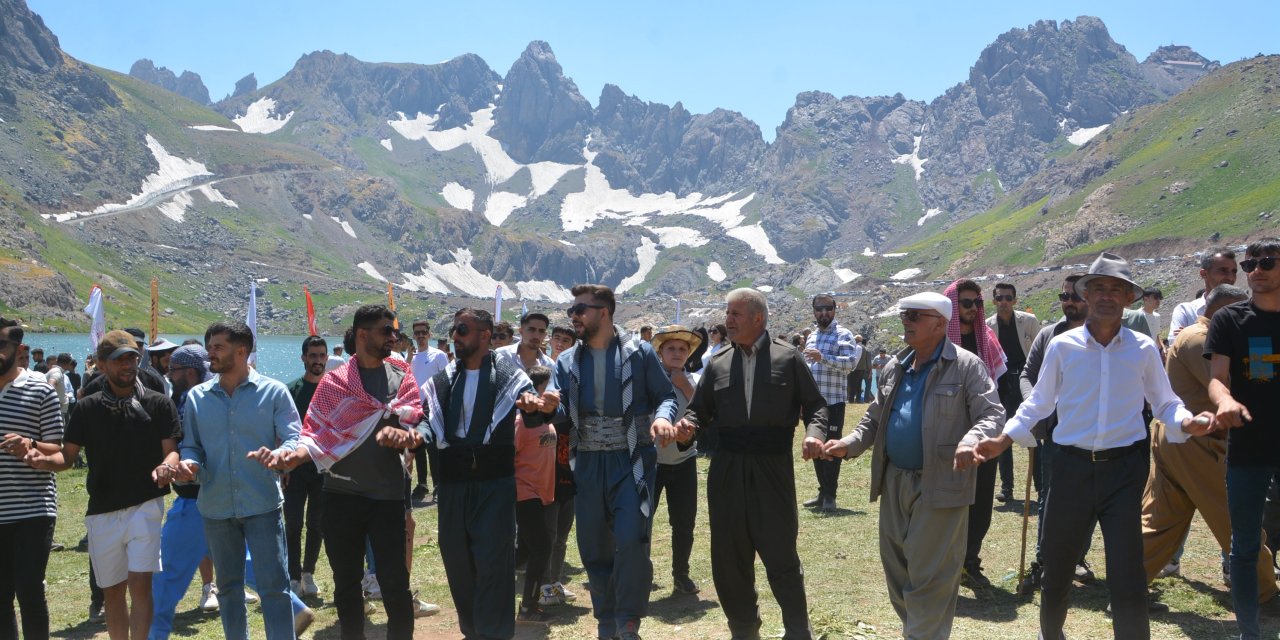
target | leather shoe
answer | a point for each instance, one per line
(828, 505)
(809, 504)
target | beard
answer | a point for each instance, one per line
(7, 365)
(823, 323)
(1075, 314)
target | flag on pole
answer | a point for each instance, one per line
(312, 330)
(497, 304)
(97, 317)
(677, 310)
(251, 319)
(391, 303)
(524, 308)
(155, 310)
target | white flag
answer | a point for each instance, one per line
(251, 319)
(524, 308)
(97, 317)
(677, 310)
(497, 304)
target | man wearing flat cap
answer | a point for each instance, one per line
(934, 403)
(1096, 376)
(753, 394)
(133, 434)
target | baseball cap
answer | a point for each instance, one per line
(115, 344)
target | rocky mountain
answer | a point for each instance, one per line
(449, 179)
(188, 85)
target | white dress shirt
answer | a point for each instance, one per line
(1098, 392)
(1185, 315)
(425, 365)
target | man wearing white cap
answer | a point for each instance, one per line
(934, 403)
(1096, 376)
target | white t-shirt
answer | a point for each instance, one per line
(1153, 320)
(511, 353)
(425, 365)
(1185, 315)
(468, 401)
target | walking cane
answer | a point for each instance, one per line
(1026, 513)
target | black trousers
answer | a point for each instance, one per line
(476, 525)
(828, 471)
(751, 501)
(24, 556)
(563, 517)
(1011, 397)
(306, 485)
(348, 521)
(536, 526)
(681, 484)
(854, 391)
(421, 457)
(1111, 491)
(980, 514)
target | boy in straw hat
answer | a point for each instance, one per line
(678, 470)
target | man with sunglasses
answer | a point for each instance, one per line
(832, 354)
(503, 335)
(427, 362)
(1016, 330)
(617, 401)
(1243, 343)
(1096, 377)
(935, 403)
(1217, 266)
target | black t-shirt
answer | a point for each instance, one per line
(372, 470)
(1012, 346)
(123, 449)
(1250, 337)
(969, 342)
(150, 378)
(302, 392)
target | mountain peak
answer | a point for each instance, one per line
(540, 114)
(188, 85)
(24, 40)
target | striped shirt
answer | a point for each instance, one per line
(840, 355)
(28, 407)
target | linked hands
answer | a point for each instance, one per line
(547, 402)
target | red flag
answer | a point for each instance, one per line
(311, 313)
(391, 302)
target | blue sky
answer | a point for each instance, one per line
(752, 57)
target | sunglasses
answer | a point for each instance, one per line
(386, 330)
(501, 336)
(581, 308)
(1268, 263)
(460, 330)
(914, 315)
(421, 333)
(970, 303)
(1074, 297)
(822, 308)
(1000, 298)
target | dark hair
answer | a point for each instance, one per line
(822, 296)
(237, 332)
(1224, 292)
(421, 323)
(33, 351)
(1152, 291)
(369, 314)
(602, 295)
(314, 341)
(722, 330)
(1262, 246)
(501, 327)
(1072, 278)
(484, 318)
(694, 363)
(965, 284)
(1006, 285)
(190, 341)
(1209, 256)
(534, 315)
(64, 358)
(538, 375)
(12, 329)
(349, 340)
(646, 327)
(564, 331)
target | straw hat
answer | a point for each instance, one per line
(675, 332)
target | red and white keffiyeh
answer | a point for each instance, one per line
(988, 344)
(342, 414)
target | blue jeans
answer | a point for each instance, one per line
(182, 547)
(264, 535)
(1246, 496)
(613, 536)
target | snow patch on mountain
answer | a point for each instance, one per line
(758, 240)
(346, 226)
(1081, 136)
(458, 196)
(371, 270)
(543, 290)
(176, 208)
(716, 272)
(261, 117)
(500, 205)
(386, 144)
(458, 275)
(928, 214)
(216, 196)
(913, 159)
(895, 255)
(906, 274)
(670, 237)
(212, 127)
(173, 174)
(647, 253)
(847, 275)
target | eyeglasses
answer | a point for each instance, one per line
(581, 308)
(914, 315)
(824, 307)
(970, 303)
(1000, 298)
(1268, 263)
(1074, 297)
(386, 330)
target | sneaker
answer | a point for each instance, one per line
(309, 587)
(1004, 495)
(369, 607)
(531, 614)
(1084, 575)
(57, 546)
(209, 598)
(684, 585)
(370, 587)
(302, 620)
(1031, 581)
(1226, 573)
(564, 594)
(809, 504)
(973, 578)
(631, 632)
(250, 597)
(548, 597)
(96, 614)
(1171, 569)
(424, 609)
(296, 587)
(420, 493)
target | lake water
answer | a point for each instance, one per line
(279, 357)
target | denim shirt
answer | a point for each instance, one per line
(652, 392)
(220, 430)
(904, 440)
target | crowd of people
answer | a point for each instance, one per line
(533, 432)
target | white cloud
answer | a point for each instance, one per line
(260, 117)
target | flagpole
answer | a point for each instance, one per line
(97, 317)
(497, 304)
(155, 309)
(251, 319)
(391, 303)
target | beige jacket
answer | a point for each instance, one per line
(1027, 324)
(961, 406)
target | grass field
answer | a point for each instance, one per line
(843, 579)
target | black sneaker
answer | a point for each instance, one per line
(684, 585)
(973, 578)
(1084, 575)
(419, 493)
(1005, 495)
(1031, 581)
(96, 614)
